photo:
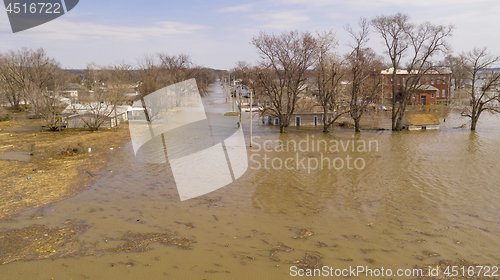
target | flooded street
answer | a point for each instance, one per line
(421, 197)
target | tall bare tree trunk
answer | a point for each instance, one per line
(326, 123)
(394, 112)
(473, 124)
(400, 116)
(474, 118)
(356, 124)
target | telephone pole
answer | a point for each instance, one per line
(251, 115)
(240, 104)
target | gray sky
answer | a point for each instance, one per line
(217, 34)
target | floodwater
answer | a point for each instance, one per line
(20, 156)
(420, 197)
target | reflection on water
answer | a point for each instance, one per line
(422, 197)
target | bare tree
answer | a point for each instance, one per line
(46, 79)
(119, 82)
(30, 76)
(161, 70)
(283, 68)
(176, 68)
(15, 76)
(241, 71)
(458, 75)
(394, 31)
(49, 103)
(204, 77)
(148, 75)
(485, 83)
(327, 77)
(108, 87)
(420, 43)
(363, 72)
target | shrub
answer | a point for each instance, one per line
(73, 149)
(4, 114)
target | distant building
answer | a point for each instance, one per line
(72, 91)
(130, 97)
(420, 121)
(75, 114)
(308, 112)
(435, 86)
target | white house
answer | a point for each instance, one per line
(75, 115)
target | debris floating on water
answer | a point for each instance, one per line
(303, 234)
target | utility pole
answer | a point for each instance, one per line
(232, 103)
(225, 89)
(229, 91)
(251, 115)
(240, 104)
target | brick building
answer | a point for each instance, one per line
(434, 86)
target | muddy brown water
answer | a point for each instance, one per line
(20, 156)
(423, 196)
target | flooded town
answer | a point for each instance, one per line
(314, 160)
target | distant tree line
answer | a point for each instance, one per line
(30, 78)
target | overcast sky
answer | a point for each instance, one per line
(217, 33)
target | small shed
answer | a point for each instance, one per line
(420, 121)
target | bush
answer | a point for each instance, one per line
(73, 149)
(4, 114)
(346, 124)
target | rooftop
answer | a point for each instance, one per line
(93, 108)
(426, 87)
(405, 72)
(308, 105)
(422, 119)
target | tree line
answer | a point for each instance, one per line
(296, 64)
(33, 79)
(292, 65)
